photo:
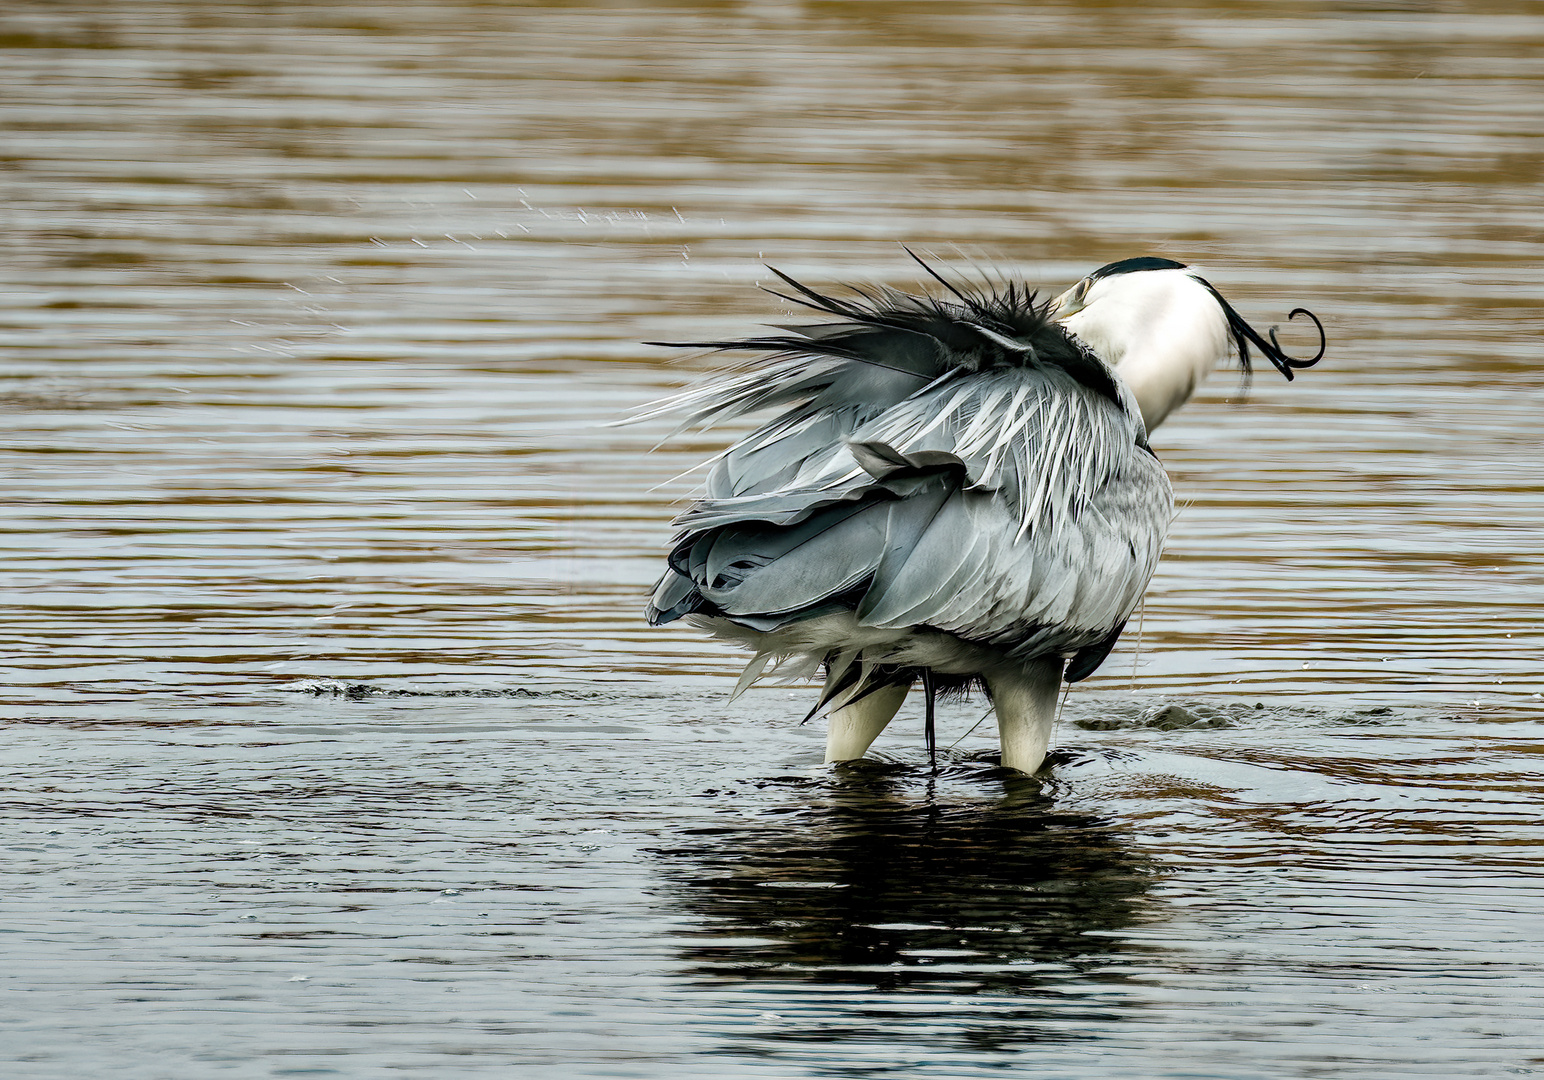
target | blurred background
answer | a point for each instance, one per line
(337, 743)
(313, 314)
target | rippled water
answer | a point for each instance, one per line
(335, 743)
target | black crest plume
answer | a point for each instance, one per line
(1243, 334)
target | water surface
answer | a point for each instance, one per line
(336, 745)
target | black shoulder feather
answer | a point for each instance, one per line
(967, 330)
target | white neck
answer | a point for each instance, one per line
(1162, 330)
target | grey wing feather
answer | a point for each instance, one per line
(967, 574)
(773, 460)
(756, 569)
(674, 595)
(1014, 507)
(931, 550)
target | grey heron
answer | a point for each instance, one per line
(957, 489)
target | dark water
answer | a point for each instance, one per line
(334, 743)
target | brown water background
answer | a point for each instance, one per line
(335, 743)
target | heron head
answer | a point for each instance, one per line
(1083, 293)
(1163, 327)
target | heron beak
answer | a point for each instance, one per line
(1069, 302)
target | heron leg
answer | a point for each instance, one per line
(1025, 702)
(853, 728)
(929, 730)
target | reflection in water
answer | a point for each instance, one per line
(996, 912)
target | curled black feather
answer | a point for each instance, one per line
(1243, 334)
